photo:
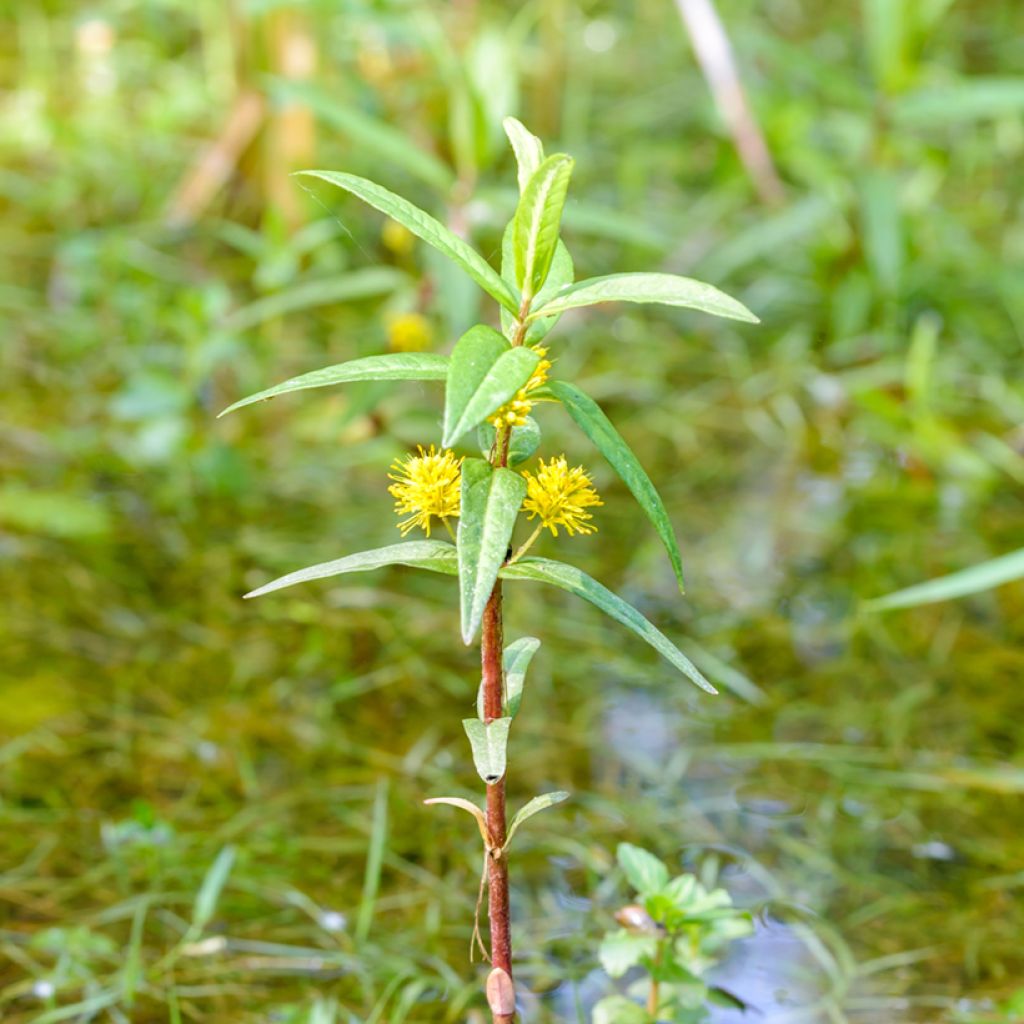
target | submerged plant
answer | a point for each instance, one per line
(675, 933)
(492, 382)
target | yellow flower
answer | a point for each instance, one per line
(514, 413)
(426, 485)
(408, 332)
(561, 496)
(399, 239)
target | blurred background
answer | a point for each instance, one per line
(211, 809)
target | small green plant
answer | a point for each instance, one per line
(675, 933)
(492, 382)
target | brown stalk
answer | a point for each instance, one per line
(493, 680)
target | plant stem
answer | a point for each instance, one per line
(523, 548)
(497, 868)
(493, 681)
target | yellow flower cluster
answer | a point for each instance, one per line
(561, 496)
(514, 413)
(426, 486)
(408, 332)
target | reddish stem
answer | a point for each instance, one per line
(491, 645)
(497, 868)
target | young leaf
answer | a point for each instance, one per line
(537, 220)
(490, 502)
(562, 273)
(592, 421)
(483, 374)
(432, 231)
(645, 872)
(535, 806)
(393, 366)
(466, 805)
(664, 289)
(621, 950)
(523, 441)
(529, 150)
(575, 581)
(489, 743)
(515, 660)
(434, 555)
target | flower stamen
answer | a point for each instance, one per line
(426, 486)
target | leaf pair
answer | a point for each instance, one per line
(439, 556)
(489, 740)
(484, 373)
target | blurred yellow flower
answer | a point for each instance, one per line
(400, 240)
(409, 332)
(561, 496)
(514, 413)
(426, 486)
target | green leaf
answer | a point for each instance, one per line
(490, 502)
(976, 97)
(209, 892)
(393, 366)
(515, 660)
(529, 150)
(562, 273)
(466, 805)
(432, 231)
(523, 441)
(489, 743)
(595, 424)
(483, 374)
(434, 555)
(537, 220)
(664, 289)
(620, 950)
(983, 576)
(645, 872)
(681, 889)
(534, 806)
(575, 581)
(359, 284)
(372, 136)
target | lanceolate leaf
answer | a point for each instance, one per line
(515, 660)
(529, 150)
(466, 805)
(592, 421)
(483, 374)
(537, 220)
(393, 366)
(575, 581)
(983, 576)
(432, 231)
(371, 135)
(562, 273)
(535, 806)
(664, 289)
(490, 503)
(489, 743)
(435, 555)
(358, 284)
